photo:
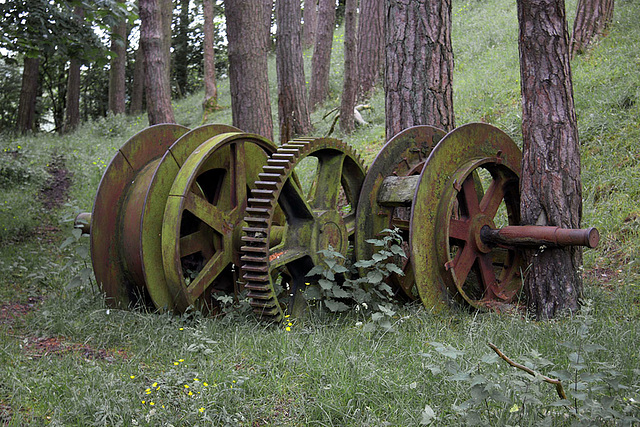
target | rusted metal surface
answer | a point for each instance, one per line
(403, 156)
(451, 206)
(83, 222)
(108, 225)
(536, 235)
(203, 217)
(285, 228)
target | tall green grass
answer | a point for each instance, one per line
(101, 364)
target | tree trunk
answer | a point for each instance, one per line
(370, 46)
(592, 19)
(166, 14)
(321, 60)
(293, 112)
(118, 67)
(310, 18)
(349, 86)
(248, 77)
(28, 95)
(137, 90)
(157, 86)
(181, 50)
(72, 104)
(268, 14)
(551, 191)
(210, 90)
(419, 65)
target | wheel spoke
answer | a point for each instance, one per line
(463, 262)
(281, 256)
(192, 243)
(293, 203)
(493, 197)
(459, 229)
(488, 275)
(350, 224)
(206, 212)
(470, 196)
(328, 181)
(208, 274)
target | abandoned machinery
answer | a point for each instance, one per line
(183, 216)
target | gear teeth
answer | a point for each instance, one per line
(260, 211)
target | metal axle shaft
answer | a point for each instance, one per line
(536, 235)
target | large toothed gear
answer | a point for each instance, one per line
(286, 226)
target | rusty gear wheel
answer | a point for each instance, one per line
(286, 226)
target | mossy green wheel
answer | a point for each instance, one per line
(203, 218)
(470, 180)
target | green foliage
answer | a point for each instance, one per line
(370, 293)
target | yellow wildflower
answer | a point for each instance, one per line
(201, 410)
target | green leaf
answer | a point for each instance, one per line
(335, 306)
(376, 316)
(397, 250)
(340, 269)
(364, 264)
(391, 267)
(316, 270)
(374, 277)
(69, 240)
(76, 233)
(325, 284)
(338, 292)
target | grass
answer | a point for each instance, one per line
(66, 359)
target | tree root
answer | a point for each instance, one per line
(531, 372)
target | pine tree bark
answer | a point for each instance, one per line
(349, 86)
(28, 95)
(321, 60)
(551, 191)
(180, 52)
(419, 65)
(72, 104)
(268, 14)
(293, 112)
(310, 18)
(137, 90)
(210, 90)
(157, 85)
(371, 44)
(592, 19)
(248, 76)
(117, 69)
(166, 14)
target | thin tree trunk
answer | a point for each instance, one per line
(592, 19)
(292, 101)
(321, 60)
(180, 52)
(118, 67)
(551, 191)
(166, 13)
(248, 71)
(268, 14)
(137, 90)
(349, 87)
(157, 85)
(72, 104)
(310, 18)
(28, 95)
(210, 90)
(370, 46)
(419, 65)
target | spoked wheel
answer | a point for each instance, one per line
(403, 156)
(471, 180)
(115, 219)
(203, 218)
(287, 226)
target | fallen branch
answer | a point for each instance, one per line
(531, 372)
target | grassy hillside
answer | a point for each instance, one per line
(65, 359)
